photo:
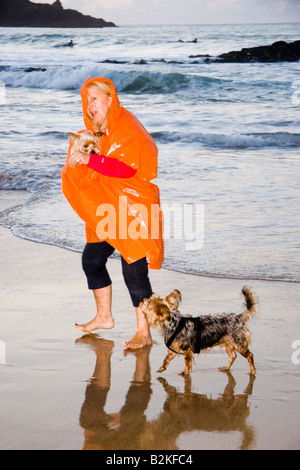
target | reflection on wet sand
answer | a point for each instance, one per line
(189, 411)
(182, 412)
(114, 431)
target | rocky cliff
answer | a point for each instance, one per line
(279, 51)
(43, 15)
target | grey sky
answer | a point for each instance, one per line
(187, 11)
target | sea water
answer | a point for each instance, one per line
(228, 137)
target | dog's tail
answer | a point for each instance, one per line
(251, 304)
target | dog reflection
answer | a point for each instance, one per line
(182, 412)
(189, 411)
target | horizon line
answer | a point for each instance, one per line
(208, 24)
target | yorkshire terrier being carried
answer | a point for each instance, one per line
(190, 335)
(85, 142)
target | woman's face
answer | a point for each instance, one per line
(98, 104)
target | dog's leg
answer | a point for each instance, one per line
(249, 356)
(167, 360)
(188, 363)
(232, 356)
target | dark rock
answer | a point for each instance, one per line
(141, 62)
(17, 13)
(35, 69)
(198, 55)
(57, 4)
(277, 52)
(112, 61)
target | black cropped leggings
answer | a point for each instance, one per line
(94, 259)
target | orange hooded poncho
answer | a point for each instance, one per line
(123, 211)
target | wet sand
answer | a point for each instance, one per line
(63, 390)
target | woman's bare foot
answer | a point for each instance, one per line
(140, 340)
(142, 336)
(105, 323)
(103, 319)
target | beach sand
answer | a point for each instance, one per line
(63, 390)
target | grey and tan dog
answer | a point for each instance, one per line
(190, 335)
(85, 142)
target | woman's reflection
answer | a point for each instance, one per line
(122, 430)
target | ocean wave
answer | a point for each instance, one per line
(41, 177)
(21, 38)
(155, 82)
(238, 141)
(54, 134)
(57, 78)
(13, 134)
(27, 181)
(135, 81)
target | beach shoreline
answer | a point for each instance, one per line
(60, 390)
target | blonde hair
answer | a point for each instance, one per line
(105, 87)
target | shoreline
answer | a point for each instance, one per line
(63, 390)
(14, 198)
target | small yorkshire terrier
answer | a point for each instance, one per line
(190, 335)
(85, 142)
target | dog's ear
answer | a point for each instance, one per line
(162, 311)
(174, 299)
(98, 134)
(73, 136)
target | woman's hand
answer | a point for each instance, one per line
(79, 157)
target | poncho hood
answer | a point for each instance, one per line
(125, 138)
(114, 108)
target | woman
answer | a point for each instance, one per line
(116, 184)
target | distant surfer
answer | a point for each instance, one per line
(194, 40)
(68, 44)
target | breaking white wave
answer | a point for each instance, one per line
(134, 81)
